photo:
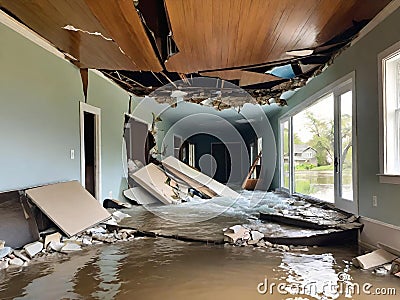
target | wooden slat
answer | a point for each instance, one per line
(244, 77)
(124, 25)
(221, 34)
(48, 17)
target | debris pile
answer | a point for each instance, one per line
(239, 235)
(174, 182)
(55, 242)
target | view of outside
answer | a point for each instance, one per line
(286, 172)
(313, 157)
(346, 161)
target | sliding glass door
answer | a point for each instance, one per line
(317, 141)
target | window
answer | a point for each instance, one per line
(316, 146)
(390, 112)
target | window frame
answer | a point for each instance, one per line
(383, 57)
(334, 88)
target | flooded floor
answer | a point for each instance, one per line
(160, 268)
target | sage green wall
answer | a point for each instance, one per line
(39, 117)
(39, 114)
(362, 58)
(113, 102)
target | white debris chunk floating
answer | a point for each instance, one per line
(33, 248)
(374, 259)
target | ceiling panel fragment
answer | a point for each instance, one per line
(98, 34)
(214, 35)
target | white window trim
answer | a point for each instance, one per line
(383, 56)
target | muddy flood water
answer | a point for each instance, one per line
(161, 268)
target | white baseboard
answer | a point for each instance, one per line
(377, 232)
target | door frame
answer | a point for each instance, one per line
(84, 107)
(340, 202)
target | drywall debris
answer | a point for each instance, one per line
(55, 237)
(119, 216)
(113, 203)
(374, 259)
(140, 196)
(69, 206)
(190, 175)
(55, 246)
(157, 183)
(256, 235)
(16, 262)
(5, 251)
(70, 247)
(33, 248)
(2, 243)
(3, 264)
(20, 254)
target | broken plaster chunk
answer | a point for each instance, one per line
(119, 216)
(86, 240)
(16, 262)
(33, 248)
(20, 254)
(2, 243)
(96, 230)
(55, 237)
(5, 251)
(256, 235)
(55, 246)
(235, 233)
(70, 247)
(3, 264)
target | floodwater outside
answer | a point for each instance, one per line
(160, 268)
(314, 149)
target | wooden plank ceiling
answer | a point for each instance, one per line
(211, 35)
(215, 35)
(102, 34)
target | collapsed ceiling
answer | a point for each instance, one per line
(265, 47)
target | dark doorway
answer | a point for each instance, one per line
(90, 152)
(223, 159)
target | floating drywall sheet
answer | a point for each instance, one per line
(69, 206)
(183, 171)
(153, 180)
(17, 223)
(376, 258)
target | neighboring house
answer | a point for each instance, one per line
(304, 154)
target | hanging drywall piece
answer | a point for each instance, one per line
(71, 207)
(183, 171)
(285, 72)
